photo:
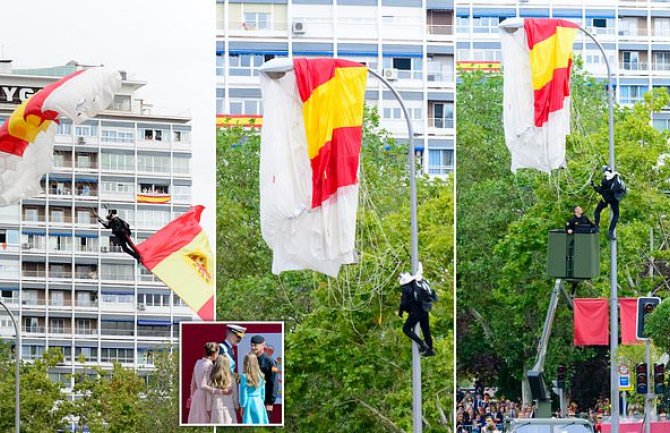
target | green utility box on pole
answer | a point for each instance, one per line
(573, 257)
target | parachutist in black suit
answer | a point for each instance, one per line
(121, 231)
(417, 299)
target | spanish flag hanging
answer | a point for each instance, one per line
(310, 153)
(537, 59)
(179, 254)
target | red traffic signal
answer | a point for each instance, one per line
(645, 305)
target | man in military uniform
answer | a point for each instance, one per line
(268, 368)
(234, 334)
(121, 231)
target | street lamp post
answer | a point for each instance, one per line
(278, 67)
(17, 384)
(513, 25)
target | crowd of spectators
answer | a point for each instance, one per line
(478, 411)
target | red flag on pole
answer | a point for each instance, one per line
(628, 314)
(591, 317)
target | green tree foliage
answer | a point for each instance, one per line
(657, 326)
(503, 220)
(348, 365)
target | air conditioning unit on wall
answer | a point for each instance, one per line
(298, 28)
(390, 74)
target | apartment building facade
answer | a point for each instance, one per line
(410, 42)
(634, 33)
(63, 275)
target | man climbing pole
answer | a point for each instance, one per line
(417, 300)
(121, 231)
(611, 189)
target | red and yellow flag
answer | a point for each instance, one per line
(550, 43)
(333, 93)
(179, 254)
(537, 58)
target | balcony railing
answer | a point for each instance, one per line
(440, 77)
(34, 273)
(121, 359)
(32, 301)
(86, 275)
(440, 123)
(87, 248)
(60, 191)
(117, 332)
(250, 26)
(33, 329)
(661, 66)
(85, 331)
(634, 32)
(440, 29)
(60, 274)
(145, 333)
(86, 303)
(634, 66)
(57, 330)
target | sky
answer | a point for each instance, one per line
(169, 44)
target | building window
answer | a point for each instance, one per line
(153, 134)
(632, 94)
(118, 161)
(256, 21)
(462, 24)
(440, 161)
(114, 354)
(408, 68)
(662, 60)
(600, 26)
(118, 136)
(117, 272)
(442, 115)
(486, 24)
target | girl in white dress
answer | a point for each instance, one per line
(222, 406)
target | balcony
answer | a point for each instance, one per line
(117, 332)
(440, 29)
(56, 330)
(86, 248)
(121, 359)
(258, 28)
(661, 66)
(33, 329)
(634, 66)
(85, 331)
(440, 123)
(86, 275)
(33, 273)
(86, 303)
(167, 333)
(60, 274)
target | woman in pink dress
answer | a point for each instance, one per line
(198, 413)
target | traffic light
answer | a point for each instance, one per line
(645, 306)
(659, 378)
(560, 376)
(641, 378)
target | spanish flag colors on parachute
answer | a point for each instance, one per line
(179, 254)
(537, 59)
(310, 153)
(27, 135)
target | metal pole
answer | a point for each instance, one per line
(417, 415)
(648, 397)
(17, 384)
(614, 301)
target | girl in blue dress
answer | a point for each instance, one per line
(252, 392)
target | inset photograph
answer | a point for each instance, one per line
(232, 373)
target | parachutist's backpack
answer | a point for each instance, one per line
(424, 295)
(618, 188)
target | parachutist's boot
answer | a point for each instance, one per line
(610, 235)
(428, 352)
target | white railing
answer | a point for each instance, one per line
(440, 123)
(440, 29)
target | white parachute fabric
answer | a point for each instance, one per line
(530, 146)
(85, 95)
(21, 176)
(300, 237)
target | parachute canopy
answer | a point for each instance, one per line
(26, 137)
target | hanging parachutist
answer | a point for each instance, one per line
(121, 231)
